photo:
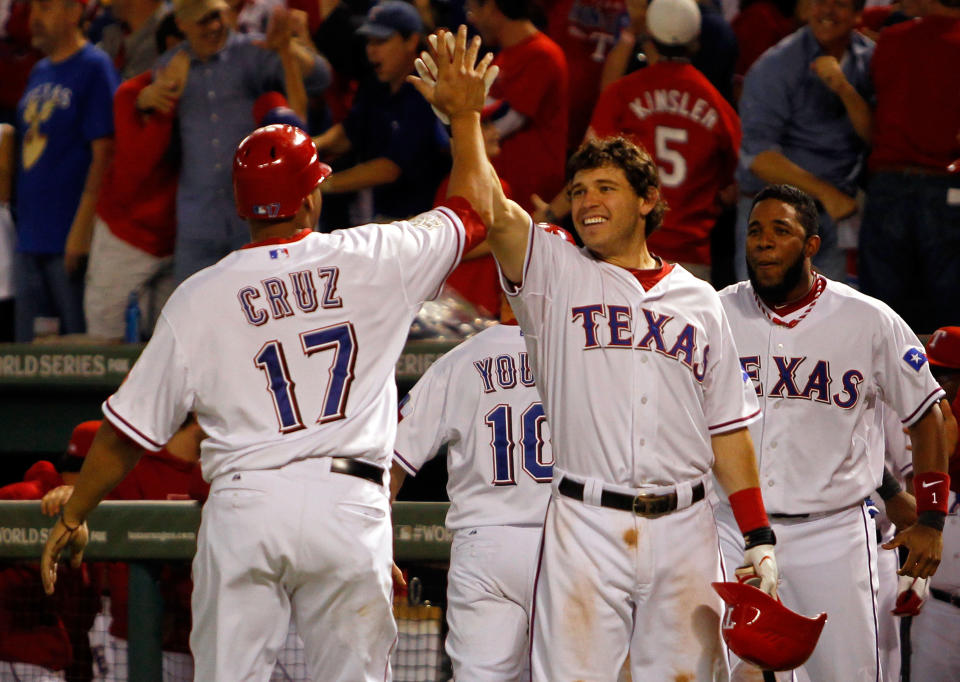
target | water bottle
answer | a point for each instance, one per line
(132, 317)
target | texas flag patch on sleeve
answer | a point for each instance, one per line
(915, 357)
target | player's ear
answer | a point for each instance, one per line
(649, 202)
(811, 246)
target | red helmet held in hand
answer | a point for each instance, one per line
(274, 168)
(764, 632)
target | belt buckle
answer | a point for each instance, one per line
(651, 505)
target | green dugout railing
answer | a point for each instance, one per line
(142, 533)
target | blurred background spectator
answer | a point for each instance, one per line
(910, 235)
(131, 41)
(529, 98)
(65, 126)
(806, 122)
(693, 133)
(400, 149)
(132, 248)
(228, 72)
(585, 30)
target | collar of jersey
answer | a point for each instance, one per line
(649, 278)
(809, 300)
(279, 240)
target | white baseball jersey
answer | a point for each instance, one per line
(481, 398)
(820, 373)
(286, 349)
(635, 380)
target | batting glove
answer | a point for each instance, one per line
(427, 70)
(764, 564)
(911, 596)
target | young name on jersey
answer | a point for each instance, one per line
(306, 295)
(504, 371)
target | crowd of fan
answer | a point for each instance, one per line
(115, 172)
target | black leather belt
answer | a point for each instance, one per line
(354, 467)
(943, 595)
(789, 516)
(641, 505)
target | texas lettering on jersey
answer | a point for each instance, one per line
(307, 296)
(652, 334)
(806, 379)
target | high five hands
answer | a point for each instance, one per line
(450, 77)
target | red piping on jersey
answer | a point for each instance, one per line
(648, 278)
(925, 403)
(809, 299)
(128, 425)
(279, 240)
(733, 421)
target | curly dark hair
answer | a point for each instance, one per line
(808, 213)
(635, 162)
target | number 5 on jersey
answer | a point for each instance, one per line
(339, 338)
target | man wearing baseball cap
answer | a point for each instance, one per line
(697, 173)
(401, 148)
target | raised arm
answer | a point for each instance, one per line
(459, 93)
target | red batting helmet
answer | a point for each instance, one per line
(274, 168)
(764, 632)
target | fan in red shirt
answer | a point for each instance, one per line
(908, 251)
(531, 98)
(135, 229)
(671, 109)
(585, 30)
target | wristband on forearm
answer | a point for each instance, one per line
(932, 519)
(931, 488)
(890, 487)
(748, 510)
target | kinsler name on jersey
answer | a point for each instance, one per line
(817, 385)
(681, 347)
(674, 102)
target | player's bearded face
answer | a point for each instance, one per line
(778, 290)
(776, 251)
